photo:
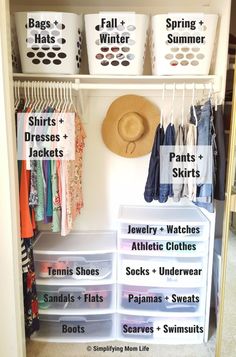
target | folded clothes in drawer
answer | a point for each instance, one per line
(155, 300)
(159, 247)
(160, 329)
(75, 328)
(76, 297)
(81, 267)
(162, 271)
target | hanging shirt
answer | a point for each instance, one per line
(190, 139)
(166, 190)
(71, 182)
(39, 209)
(204, 196)
(24, 257)
(178, 188)
(27, 220)
(56, 221)
(152, 186)
(219, 154)
(33, 196)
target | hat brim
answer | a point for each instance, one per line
(120, 107)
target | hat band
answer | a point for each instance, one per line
(129, 144)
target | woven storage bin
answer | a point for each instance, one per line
(182, 43)
(116, 58)
(63, 56)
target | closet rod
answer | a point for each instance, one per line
(124, 86)
(159, 86)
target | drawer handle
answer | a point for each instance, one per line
(71, 289)
(81, 319)
(72, 259)
(72, 319)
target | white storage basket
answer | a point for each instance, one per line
(62, 55)
(182, 43)
(116, 43)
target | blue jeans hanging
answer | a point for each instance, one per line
(205, 136)
(166, 190)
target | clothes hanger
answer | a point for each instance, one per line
(172, 105)
(50, 96)
(15, 94)
(72, 104)
(54, 91)
(210, 91)
(183, 102)
(35, 96)
(60, 104)
(32, 87)
(26, 95)
(47, 98)
(193, 106)
(64, 98)
(42, 96)
(162, 106)
(67, 97)
(36, 87)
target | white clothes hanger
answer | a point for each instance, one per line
(193, 105)
(210, 91)
(16, 94)
(183, 103)
(54, 95)
(72, 104)
(48, 95)
(172, 105)
(42, 97)
(65, 98)
(162, 105)
(51, 95)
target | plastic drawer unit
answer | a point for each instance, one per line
(161, 301)
(84, 298)
(83, 257)
(166, 330)
(165, 272)
(73, 328)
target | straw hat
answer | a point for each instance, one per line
(129, 127)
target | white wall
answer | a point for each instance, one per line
(108, 179)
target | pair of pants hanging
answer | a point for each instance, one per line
(205, 136)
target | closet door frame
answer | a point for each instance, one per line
(12, 336)
(229, 200)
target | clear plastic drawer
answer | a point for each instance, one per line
(159, 231)
(162, 222)
(70, 298)
(160, 330)
(160, 248)
(162, 271)
(141, 299)
(80, 267)
(71, 328)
